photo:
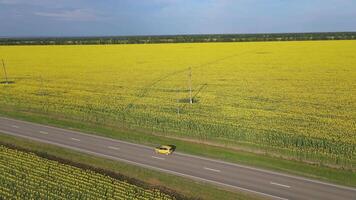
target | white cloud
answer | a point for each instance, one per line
(24, 2)
(42, 3)
(72, 15)
(9, 1)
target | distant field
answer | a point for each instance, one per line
(298, 97)
(27, 176)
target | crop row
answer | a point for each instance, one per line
(27, 176)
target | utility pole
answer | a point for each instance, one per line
(190, 86)
(3, 65)
(178, 107)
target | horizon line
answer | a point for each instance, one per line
(168, 35)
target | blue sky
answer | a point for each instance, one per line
(161, 17)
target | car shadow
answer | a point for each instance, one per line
(173, 147)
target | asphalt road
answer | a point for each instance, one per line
(261, 182)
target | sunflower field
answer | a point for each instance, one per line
(298, 97)
(27, 176)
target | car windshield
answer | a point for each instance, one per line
(162, 148)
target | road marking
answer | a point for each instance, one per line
(143, 165)
(157, 158)
(266, 171)
(214, 170)
(15, 126)
(44, 132)
(75, 139)
(278, 184)
(114, 148)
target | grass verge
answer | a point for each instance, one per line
(173, 184)
(266, 161)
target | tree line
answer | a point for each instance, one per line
(179, 38)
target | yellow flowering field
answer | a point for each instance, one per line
(289, 95)
(28, 176)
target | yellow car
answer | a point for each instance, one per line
(164, 149)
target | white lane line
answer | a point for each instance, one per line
(157, 158)
(14, 126)
(266, 171)
(114, 148)
(143, 165)
(75, 139)
(44, 132)
(210, 169)
(278, 184)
